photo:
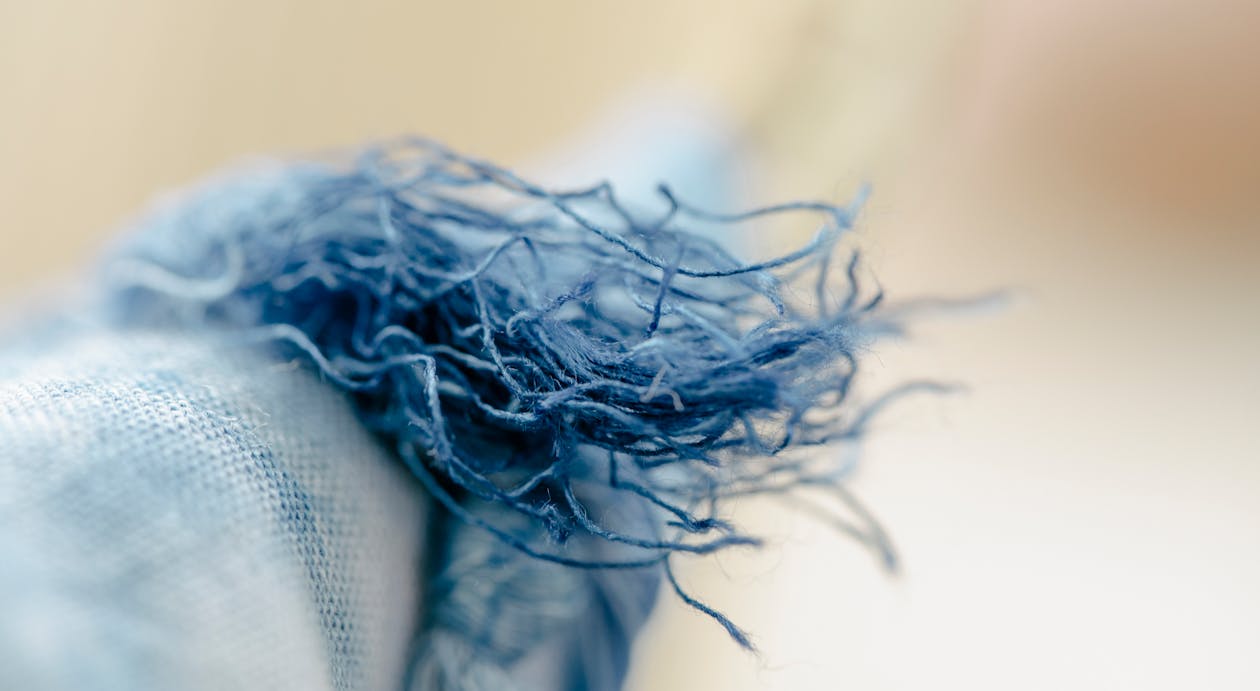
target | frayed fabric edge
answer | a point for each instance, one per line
(519, 345)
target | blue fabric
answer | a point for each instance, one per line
(178, 512)
(407, 419)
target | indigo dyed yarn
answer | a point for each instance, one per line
(575, 383)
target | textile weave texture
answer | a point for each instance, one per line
(181, 513)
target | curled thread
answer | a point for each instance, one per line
(514, 342)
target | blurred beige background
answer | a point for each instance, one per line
(1086, 517)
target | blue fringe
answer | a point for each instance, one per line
(520, 346)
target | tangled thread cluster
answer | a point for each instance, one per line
(517, 343)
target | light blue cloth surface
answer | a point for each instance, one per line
(179, 513)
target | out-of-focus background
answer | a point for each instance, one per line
(1087, 516)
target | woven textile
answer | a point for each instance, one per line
(221, 476)
(179, 513)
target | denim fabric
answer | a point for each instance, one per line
(180, 513)
(177, 511)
